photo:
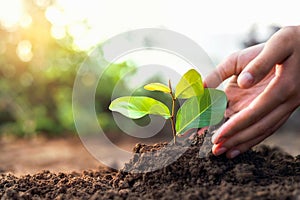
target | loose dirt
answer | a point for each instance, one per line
(263, 173)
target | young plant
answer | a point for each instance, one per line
(202, 106)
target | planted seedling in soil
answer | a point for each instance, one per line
(202, 106)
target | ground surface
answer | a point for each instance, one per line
(22, 157)
(62, 168)
(266, 173)
(31, 156)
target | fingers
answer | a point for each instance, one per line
(255, 111)
(270, 66)
(265, 126)
(276, 50)
(243, 147)
(233, 65)
(234, 152)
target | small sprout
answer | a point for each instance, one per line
(203, 106)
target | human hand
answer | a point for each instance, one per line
(262, 93)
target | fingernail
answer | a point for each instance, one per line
(234, 153)
(215, 139)
(215, 136)
(246, 79)
(220, 151)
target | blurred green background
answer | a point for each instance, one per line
(38, 65)
(41, 51)
(39, 59)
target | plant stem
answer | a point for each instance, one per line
(173, 113)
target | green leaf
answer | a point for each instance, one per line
(190, 85)
(157, 87)
(139, 106)
(202, 111)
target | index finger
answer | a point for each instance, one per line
(233, 65)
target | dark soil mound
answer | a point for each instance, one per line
(264, 173)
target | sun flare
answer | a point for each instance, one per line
(11, 13)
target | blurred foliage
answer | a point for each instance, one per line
(37, 75)
(38, 64)
(113, 75)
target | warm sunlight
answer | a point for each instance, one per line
(24, 50)
(90, 22)
(93, 94)
(11, 13)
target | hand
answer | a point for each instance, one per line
(263, 91)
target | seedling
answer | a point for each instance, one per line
(202, 106)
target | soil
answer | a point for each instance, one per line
(29, 156)
(262, 173)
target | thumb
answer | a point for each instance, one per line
(275, 51)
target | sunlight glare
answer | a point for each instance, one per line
(24, 50)
(11, 13)
(77, 30)
(26, 21)
(42, 3)
(58, 32)
(55, 16)
(203, 22)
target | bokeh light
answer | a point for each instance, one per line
(58, 32)
(24, 50)
(11, 13)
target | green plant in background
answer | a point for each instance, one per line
(36, 88)
(202, 106)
